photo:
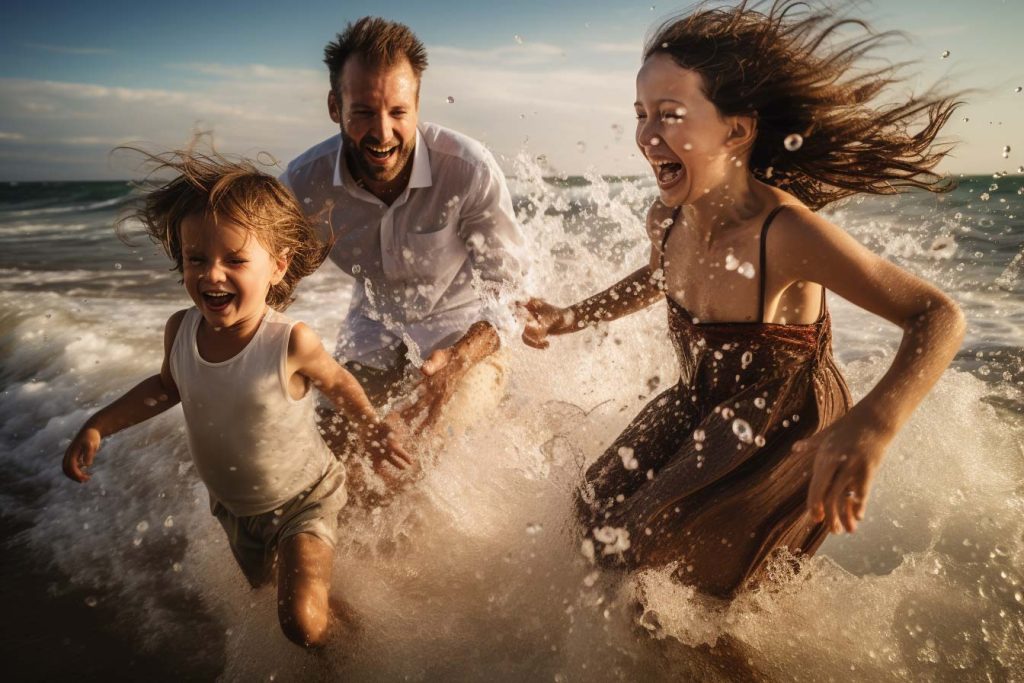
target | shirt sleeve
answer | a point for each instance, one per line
(496, 243)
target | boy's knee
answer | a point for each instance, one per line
(304, 625)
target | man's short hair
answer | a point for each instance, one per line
(378, 42)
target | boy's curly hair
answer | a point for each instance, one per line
(787, 66)
(212, 185)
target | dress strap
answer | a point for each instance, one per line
(764, 259)
(664, 240)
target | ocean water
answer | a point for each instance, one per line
(476, 573)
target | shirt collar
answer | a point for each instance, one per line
(420, 176)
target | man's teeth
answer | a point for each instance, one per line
(380, 151)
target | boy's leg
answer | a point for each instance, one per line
(303, 583)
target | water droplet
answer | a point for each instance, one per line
(1018, 89)
(945, 54)
(534, 528)
(746, 269)
(759, 403)
(727, 413)
(1006, 151)
(168, 522)
(628, 461)
(741, 428)
(149, 402)
(176, 567)
(984, 196)
(746, 359)
(943, 247)
(451, 100)
(518, 38)
(117, 266)
(581, 146)
(307, 200)
(356, 269)
(793, 142)
(731, 262)
(759, 441)
(698, 435)
(142, 527)
(687, 146)
(91, 601)
(655, 141)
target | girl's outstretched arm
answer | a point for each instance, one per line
(804, 246)
(307, 357)
(636, 291)
(147, 399)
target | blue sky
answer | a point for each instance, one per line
(76, 79)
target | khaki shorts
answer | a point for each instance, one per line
(254, 540)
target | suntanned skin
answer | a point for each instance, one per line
(222, 257)
(723, 209)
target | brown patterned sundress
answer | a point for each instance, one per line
(704, 475)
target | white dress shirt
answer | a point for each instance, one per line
(447, 253)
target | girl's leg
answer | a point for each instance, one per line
(303, 582)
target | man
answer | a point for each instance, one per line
(420, 216)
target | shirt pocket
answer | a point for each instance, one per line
(433, 253)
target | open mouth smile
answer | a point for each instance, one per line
(216, 300)
(668, 173)
(380, 153)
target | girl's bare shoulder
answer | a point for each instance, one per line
(659, 219)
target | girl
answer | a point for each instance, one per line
(751, 122)
(243, 373)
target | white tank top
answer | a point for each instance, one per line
(253, 445)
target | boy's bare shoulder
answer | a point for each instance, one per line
(174, 324)
(304, 342)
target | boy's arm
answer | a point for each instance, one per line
(306, 356)
(147, 399)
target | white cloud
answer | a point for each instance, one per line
(634, 49)
(526, 54)
(69, 49)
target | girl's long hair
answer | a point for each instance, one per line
(788, 67)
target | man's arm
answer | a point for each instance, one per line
(496, 246)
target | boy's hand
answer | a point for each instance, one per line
(80, 454)
(382, 443)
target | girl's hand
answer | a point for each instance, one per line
(542, 319)
(81, 453)
(846, 456)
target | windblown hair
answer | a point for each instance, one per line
(378, 42)
(210, 185)
(787, 67)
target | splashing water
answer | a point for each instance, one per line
(479, 572)
(793, 142)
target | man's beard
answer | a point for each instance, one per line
(365, 170)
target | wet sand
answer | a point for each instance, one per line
(50, 633)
